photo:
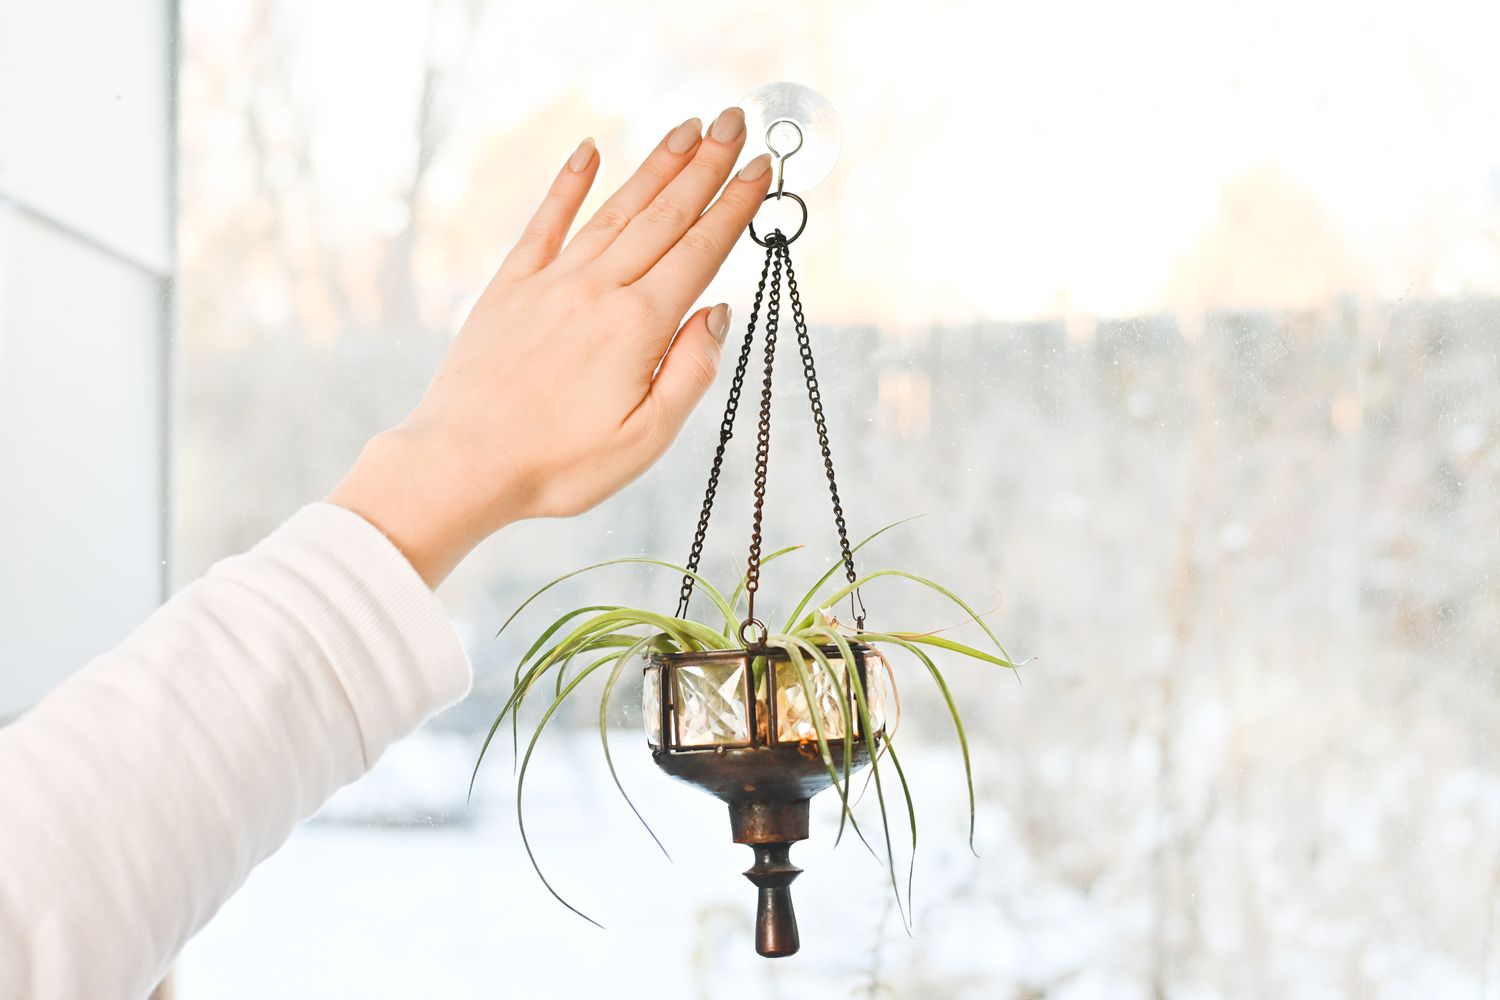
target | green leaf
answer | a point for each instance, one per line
(521, 786)
(958, 722)
(793, 647)
(553, 629)
(838, 688)
(911, 815)
(848, 589)
(812, 591)
(561, 653)
(739, 590)
(678, 629)
(541, 640)
(684, 632)
(864, 728)
(609, 687)
(614, 640)
(687, 634)
(708, 588)
(940, 642)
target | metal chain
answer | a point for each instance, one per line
(778, 256)
(815, 398)
(777, 248)
(726, 431)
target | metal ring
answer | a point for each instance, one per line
(764, 633)
(792, 238)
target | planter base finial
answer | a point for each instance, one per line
(775, 920)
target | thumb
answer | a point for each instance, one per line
(690, 365)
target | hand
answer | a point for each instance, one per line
(566, 381)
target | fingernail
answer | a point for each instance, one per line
(685, 136)
(718, 321)
(728, 126)
(753, 170)
(582, 156)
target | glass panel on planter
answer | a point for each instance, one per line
(876, 680)
(759, 670)
(651, 704)
(794, 720)
(710, 700)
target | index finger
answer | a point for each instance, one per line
(666, 161)
(683, 272)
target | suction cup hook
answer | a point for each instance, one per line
(794, 119)
(802, 133)
(776, 136)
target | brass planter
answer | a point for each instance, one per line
(737, 724)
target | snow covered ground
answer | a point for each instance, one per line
(447, 905)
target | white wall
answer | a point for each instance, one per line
(85, 277)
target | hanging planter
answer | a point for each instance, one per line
(762, 719)
(762, 712)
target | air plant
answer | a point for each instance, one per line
(610, 638)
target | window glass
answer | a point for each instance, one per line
(1176, 320)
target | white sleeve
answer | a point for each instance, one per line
(137, 796)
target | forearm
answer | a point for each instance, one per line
(139, 795)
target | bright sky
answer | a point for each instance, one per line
(1001, 160)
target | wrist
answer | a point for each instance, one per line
(423, 497)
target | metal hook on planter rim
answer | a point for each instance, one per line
(754, 624)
